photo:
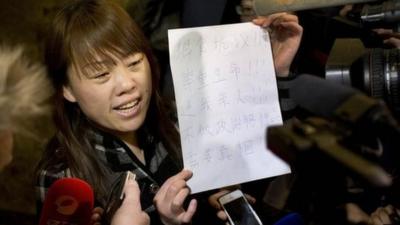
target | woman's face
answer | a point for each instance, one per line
(113, 94)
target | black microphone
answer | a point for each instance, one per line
(335, 101)
(318, 96)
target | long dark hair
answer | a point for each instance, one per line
(81, 30)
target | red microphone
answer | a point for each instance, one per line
(69, 201)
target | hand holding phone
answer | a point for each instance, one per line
(238, 210)
(117, 195)
(130, 212)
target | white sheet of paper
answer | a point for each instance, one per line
(226, 95)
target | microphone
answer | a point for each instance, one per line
(345, 104)
(266, 7)
(318, 96)
(350, 107)
(69, 201)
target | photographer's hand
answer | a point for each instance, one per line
(286, 34)
(170, 198)
(382, 215)
(389, 37)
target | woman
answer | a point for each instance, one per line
(108, 112)
(24, 96)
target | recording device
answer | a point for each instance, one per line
(322, 137)
(351, 113)
(375, 72)
(69, 201)
(345, 105)
(367, 119)
(117, 195)
(344, 134)
(238, 210)
(323, 156)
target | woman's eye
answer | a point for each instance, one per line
(134, 63)
(101, 75)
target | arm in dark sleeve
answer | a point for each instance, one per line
(287, 104)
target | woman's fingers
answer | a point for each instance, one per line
(132, 193)
(177, 203)
(165, 188)
(187, 216)
(293, 27)
(275, 19)
(174, 189)
(170, 198)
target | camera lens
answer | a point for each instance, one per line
(377, 74)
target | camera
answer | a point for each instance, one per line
(347, 151)
(326, 156)
(375, 70)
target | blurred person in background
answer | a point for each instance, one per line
(24, 91)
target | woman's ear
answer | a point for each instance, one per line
(68, 94)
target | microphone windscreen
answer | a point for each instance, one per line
(318, 96)
(68, 201)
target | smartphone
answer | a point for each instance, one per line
(238, 209)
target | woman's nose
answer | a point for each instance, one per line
(125, 82)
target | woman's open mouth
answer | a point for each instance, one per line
(128, 109)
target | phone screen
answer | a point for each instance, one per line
(240, 212)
